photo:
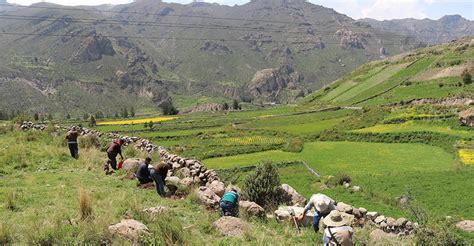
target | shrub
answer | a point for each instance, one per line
(438, 232)
(89, 141)
(261, 186)
(130, 152)
(169, 231)
(85, 205)
(6, 237)
(10, 202)
(466, 78)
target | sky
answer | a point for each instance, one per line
(377, 9)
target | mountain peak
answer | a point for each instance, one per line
(452, 18)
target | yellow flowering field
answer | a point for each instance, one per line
(467, 156)
(135, 121)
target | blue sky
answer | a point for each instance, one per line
(377, 9)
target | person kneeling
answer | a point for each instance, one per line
(229, 203)
(143, 172)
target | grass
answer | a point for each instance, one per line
(135, 121)
(416, 126)
(467, 156)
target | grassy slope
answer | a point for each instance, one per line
(46, 195)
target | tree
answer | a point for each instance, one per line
(36, 117)
(92, 121)
(261, 186)
(116, 115)
(226, 106)
(168, 108)
(50, 117)
(235, 105)
(68, 116)
(145, 125)
(466, 77)
(150, 124)
(124, 113)
(132, 111)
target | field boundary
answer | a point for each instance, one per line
(278, 165)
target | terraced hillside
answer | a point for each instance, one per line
(434, 72)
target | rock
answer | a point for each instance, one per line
(363, 211)
(251, 208)
(93, 48)
(346, 185)
(186, 181)
(372, 215)
(383, 225)
(230, 226)
(401, 222)
(295, 199)
(283, 214)
(208, 197)
(342, 207)
(268, 82)
(356, 212)
(185, 172)
(391, 221)
(356, 188)
(173, 179)
(130, 229)
(380, 219)
(155, 211)
(466, 225)
(131, 165)
(217, 187)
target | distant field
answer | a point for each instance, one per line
(390, 170)
(135, 121)
(416, 126)
(467, 156)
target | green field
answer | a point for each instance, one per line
(416, 126)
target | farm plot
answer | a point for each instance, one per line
(416, 126)
(384, 171)
(467, 156)
(135, 121)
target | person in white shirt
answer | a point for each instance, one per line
(338, 231)
(322, 205)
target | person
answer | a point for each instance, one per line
(158, 174)
(113, 150)
(143, 172)
(71, 137)
(229, 203)
(322, 205)
(338, 232)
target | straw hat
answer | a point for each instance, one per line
(336, 218)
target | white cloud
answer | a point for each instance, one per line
(396, 9)
(72, 2)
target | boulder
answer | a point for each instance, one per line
(356, 188)
(342, 207)
(466, 225)
(363, 211)
(251, 208)
(401, 222)
(230, 226)
(131, 165)
(283, 214)
(391, 221)
(217, 187)
(185, 172)
(380, 219)
(173, 179)
(130, 229)
(155, 211)
(294, 198)
(207, 197)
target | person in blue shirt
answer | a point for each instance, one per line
(229, 203)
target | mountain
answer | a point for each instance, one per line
(84, 59)
(432, 75)
(447, 28)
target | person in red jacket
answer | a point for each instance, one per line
(113, 150)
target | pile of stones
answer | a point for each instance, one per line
(27, 125)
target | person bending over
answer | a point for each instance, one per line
(322, 205)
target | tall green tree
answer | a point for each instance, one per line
(168, 108)
(132, 111)
(235, 105)
(36, 117)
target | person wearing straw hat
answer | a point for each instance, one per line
(338, 231)
(322, 205)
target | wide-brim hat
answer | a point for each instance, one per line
(336, 218)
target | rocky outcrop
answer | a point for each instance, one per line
(291, 196)
(230, 226)
(271, 82)
(130, 229)
(251, 208)
(349, 39)
(215, 48)
(208, 107)
(93, 48)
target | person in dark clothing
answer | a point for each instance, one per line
(229, 203)
(143, 172)
(113, 150)
(158, 174)
(71, 137)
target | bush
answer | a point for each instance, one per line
(85, 205)
(89, 141)
(466, 78)
(261, 186)
(438, 232)
(10, 203)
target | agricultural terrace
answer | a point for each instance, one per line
(417, 126)
(135, 121)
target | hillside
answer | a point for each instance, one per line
(85, 59)
(445, 29)
(433, 73)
